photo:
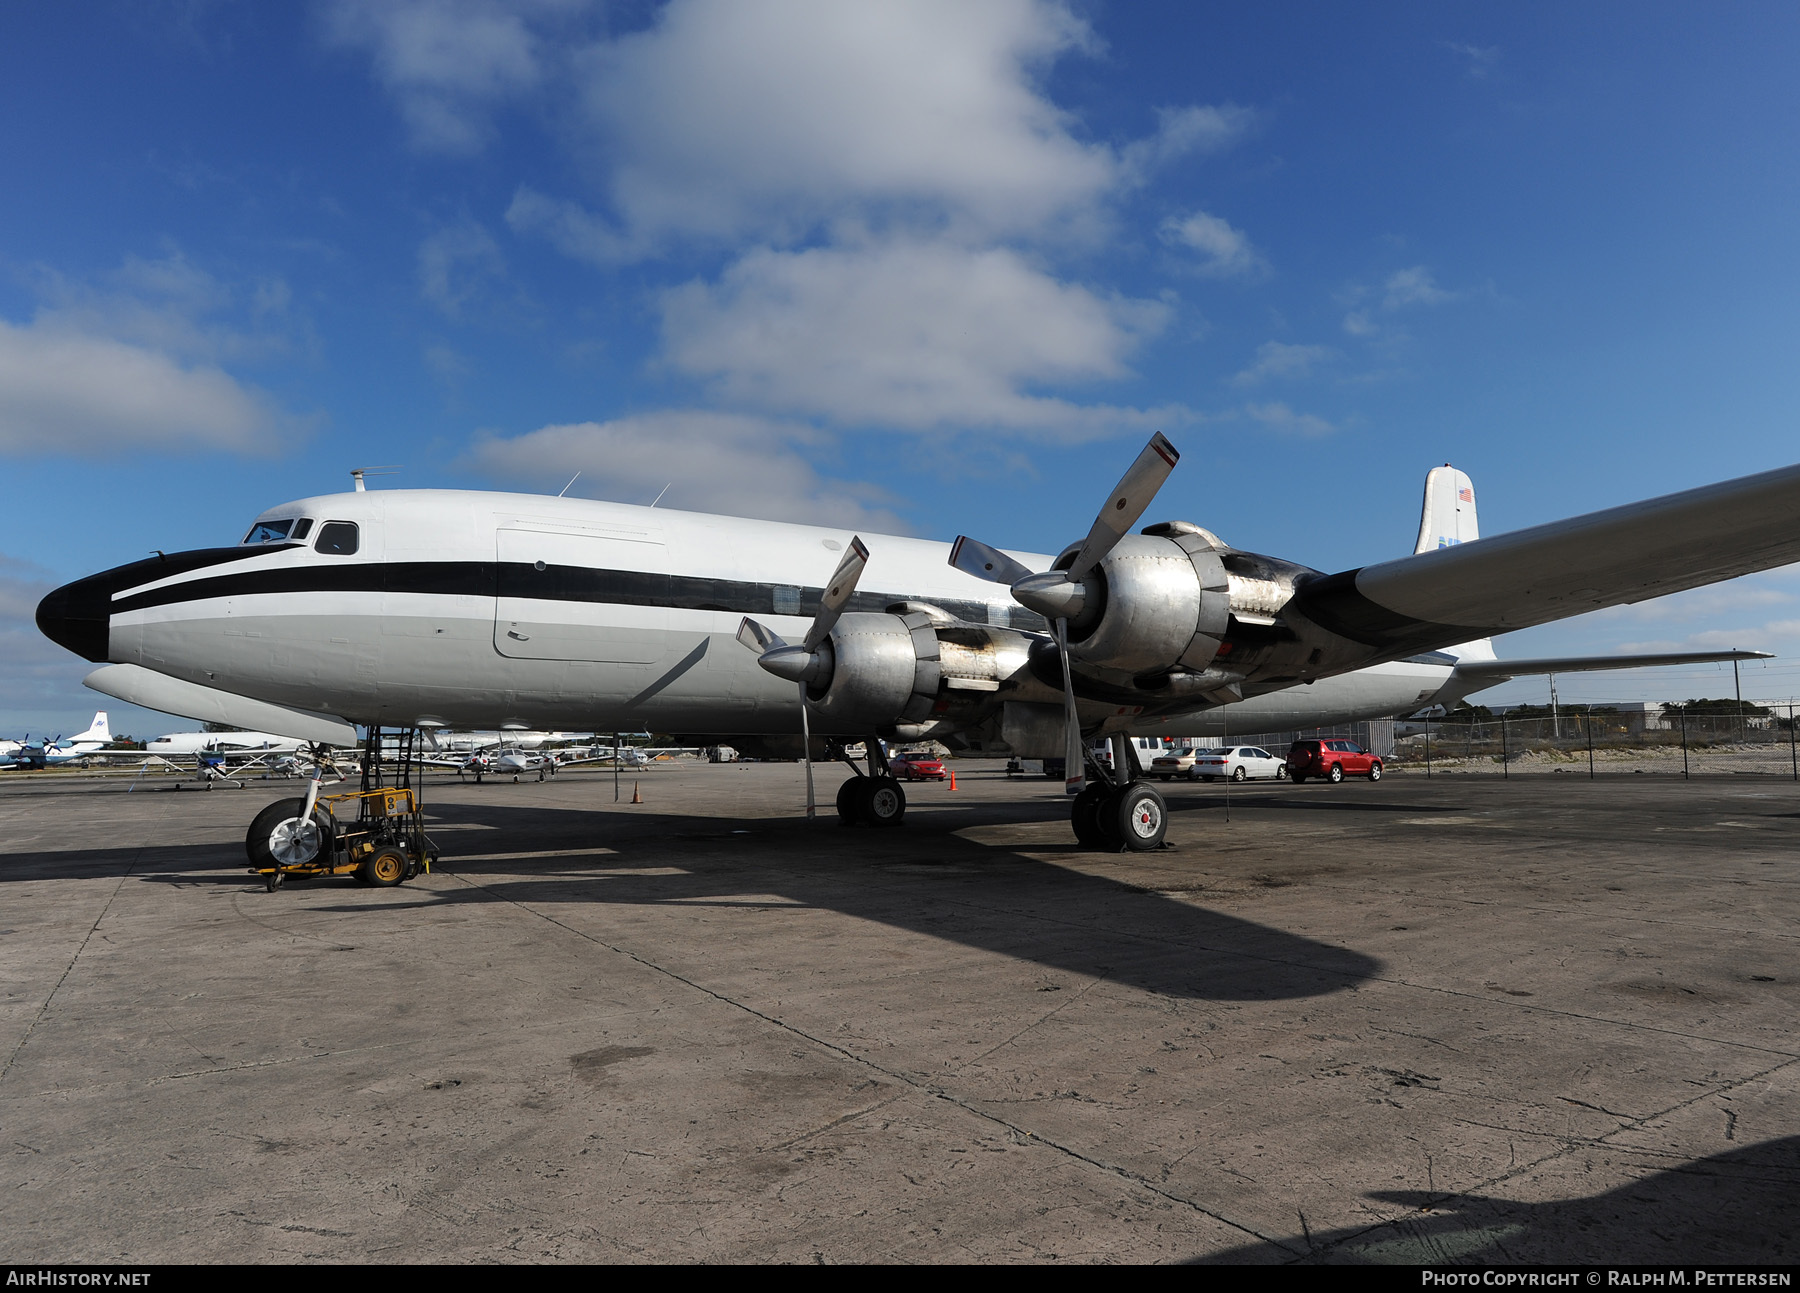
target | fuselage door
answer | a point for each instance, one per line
(581, 592)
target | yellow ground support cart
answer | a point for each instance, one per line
(376, 834)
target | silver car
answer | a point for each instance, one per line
(1239, 762)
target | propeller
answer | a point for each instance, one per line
(1061, 595)
(812, 661)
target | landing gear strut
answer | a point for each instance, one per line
(1119, 811)
(872, 798)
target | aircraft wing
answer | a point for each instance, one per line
(1498, 669)
(1548, 572)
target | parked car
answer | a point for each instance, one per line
(917, 767)
(1173, 763)
(1239, 762)
(1332, 759)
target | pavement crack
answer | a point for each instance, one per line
(70, 967)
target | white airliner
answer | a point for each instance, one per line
(467, 610)
(227, 743)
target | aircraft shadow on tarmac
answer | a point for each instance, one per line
(1738, 1207)
(923, 878)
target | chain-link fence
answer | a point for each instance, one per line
(1600, 741)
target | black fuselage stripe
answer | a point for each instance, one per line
(552, 584)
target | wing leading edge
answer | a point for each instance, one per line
(1549, 572)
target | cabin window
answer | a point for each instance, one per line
(269, 532)
(337, 538)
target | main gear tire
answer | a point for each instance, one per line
(278, 838)
(1084, 816)
(846, 800)
(883, 802)
(1140, 817)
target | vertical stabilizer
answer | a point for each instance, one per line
(1448, 517)
(98, 731)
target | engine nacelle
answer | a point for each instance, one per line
(884, 670)
(1166, 604)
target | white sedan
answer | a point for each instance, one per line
(1239, 762)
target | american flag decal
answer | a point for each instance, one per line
(1465, 496)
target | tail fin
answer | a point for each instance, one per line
(1448, 517)
(97, 730)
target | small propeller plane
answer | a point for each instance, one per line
(457, 609)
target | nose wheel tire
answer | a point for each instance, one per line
(278, 837)
(1140, 818)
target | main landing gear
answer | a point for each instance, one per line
(1119, 814)
(873, 798)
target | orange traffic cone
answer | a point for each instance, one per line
(953, 780)
(636, 798)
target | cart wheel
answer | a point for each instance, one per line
(272, 880)
(385, 867)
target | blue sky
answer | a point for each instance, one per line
(931, 268)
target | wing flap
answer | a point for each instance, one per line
(1548, 572)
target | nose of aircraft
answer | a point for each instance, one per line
(78, 616)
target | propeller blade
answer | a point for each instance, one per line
(806, 753)
(973, 557)
(1074, 768)
(837, 592)
(1136, 488)
(757, 637)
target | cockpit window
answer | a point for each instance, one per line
(302, 528)
(337, 538)
(269, 532)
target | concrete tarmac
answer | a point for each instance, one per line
(1441, 1020)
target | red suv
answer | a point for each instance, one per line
(1332, 758)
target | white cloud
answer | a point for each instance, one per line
(1195, 128)
(1358, 324)
(458, 265)
(1413, 286)
(780, 120)
(1226, 251)
(909, 334)
(1482, 59)
(1278, 417)
(67, 391)
(729, 119)
(134, 361)
(572, 229)
(449, 62)
(1277, 359)
(711, 462)
(169, 304)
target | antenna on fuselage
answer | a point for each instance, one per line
(665, 489)
(565, 488)
(357, 474)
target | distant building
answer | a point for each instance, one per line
(1644, 715)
